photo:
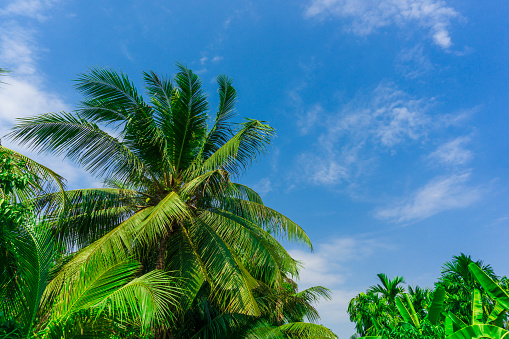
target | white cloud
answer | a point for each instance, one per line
(452, 153)
(412, 62)
(367, 126)
(217, 58)
(17, 49)
(22, 98)
(328, 264)
(263, 187)
(442, 38)
(366, 16)
(311, 117)
(438, 195)
(25, 92)
(29, 8)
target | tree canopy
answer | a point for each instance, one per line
(171, 246)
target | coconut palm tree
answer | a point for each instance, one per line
(170, 199)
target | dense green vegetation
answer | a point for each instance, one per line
(171, 246)
(468, 301)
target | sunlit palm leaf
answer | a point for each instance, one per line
(271, 220)
(81, 141)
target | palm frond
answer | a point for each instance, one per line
(109, 87)
(243, 192)
(80, 217)
(266, 259)
(161, 219)
(272, 221)
(33, 248)
(241, 149)
(81, 141)
(306, 330)
(232, 285)
(111, 248)
(222, 129)
(186, 130)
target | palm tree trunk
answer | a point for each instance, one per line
(161, 255)
(162, 251)
(164, 335)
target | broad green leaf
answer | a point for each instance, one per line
(413, 314)
(480, 331)
(490, 286)
(476, 307)
(449, 328)
(405, 313)
(435, 309)
(497, 310)
(457, 321)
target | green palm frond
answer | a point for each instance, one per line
(306, 330)
(306, 298)
(81, 141)
(161, 219)
(109, 293)
(186, 130)
(33, 249)
(87, 214)
(150, 297)
(243, 192)
(232, 284)
(109, 86)
(162, 94)
(111, 248)
(236, 154)
(266, 258)
(222, 130)
(292, 330)
(272, 221)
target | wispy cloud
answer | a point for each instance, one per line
(217, 58)
(413, 63)
(310, 118)
(367, 16)
(28, 8)
(263, 187)
(452, 153)
(439, 195)
(25, 92)
(365, 127)
(328, 264)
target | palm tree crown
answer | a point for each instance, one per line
(169, 198)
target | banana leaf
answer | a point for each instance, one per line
(480, 331)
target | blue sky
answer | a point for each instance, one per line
(391, 115)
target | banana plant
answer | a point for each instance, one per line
(477, 329)
(411, 317)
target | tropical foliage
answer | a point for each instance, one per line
(33, 303)
(171, 246)
(469, 301)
